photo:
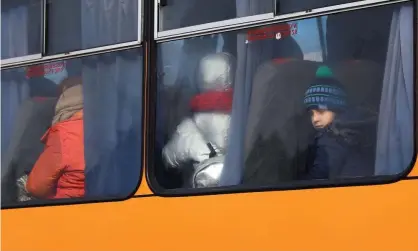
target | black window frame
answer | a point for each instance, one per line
(158, 190)
(142, 45)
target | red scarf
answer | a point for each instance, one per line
(210, 101)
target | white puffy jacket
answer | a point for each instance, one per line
(189, 142)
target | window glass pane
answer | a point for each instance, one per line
(288, 6)
(72, 129)
(183, 13)
(20, 28)
(306, 100)
(83, 24)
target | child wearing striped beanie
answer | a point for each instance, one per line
(337, 150)
(324, 98)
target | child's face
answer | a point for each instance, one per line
(321, 118)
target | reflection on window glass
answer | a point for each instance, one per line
(20, 28)
(72, 129)
(288, 6)
(183, 13)
(83, 24)
(322, 98)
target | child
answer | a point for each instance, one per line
(341, 147)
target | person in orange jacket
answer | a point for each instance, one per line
(59, 171)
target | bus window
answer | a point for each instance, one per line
(297, 101)
(84, 24)
(20, 28)
(72, 129)
(176, 14)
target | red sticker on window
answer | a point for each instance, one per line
(35, 71)
(276, 31)
(45, 69)
(53, 68)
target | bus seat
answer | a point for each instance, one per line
(278, 127)
(33, 119)
(363, 81)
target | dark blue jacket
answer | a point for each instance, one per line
(343, 149)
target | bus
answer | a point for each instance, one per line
(209, 125)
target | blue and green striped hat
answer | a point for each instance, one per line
(325, 93)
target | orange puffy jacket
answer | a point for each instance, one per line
(59, 171)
